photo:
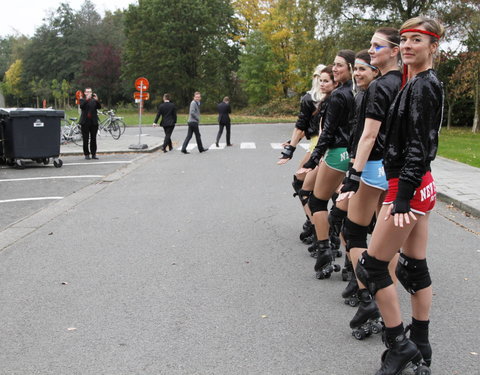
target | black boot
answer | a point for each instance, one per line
(350, 293)
(324, 265)
(400, 354)
(419, 335)
(366, 310)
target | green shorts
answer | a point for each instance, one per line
(337, 158)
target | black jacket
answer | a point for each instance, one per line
(89, 114)
(413, 123)
(307, 121)
(336, 121)
(223, 113)
(168, 111)
(375, 104)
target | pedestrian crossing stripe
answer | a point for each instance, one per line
(245, 145)
(248, 145)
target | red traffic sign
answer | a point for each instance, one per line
(143, 95)
(142, 84)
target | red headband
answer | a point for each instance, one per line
(420, 31)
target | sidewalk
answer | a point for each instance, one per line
(456, 182)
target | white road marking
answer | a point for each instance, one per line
(30, 199)
(306, 146)
(214, 146)
(248, 145)
(49, 178)
(276, 146)
(190, 147)
(98, 162)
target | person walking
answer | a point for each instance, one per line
(168, 112)
(224, 111)
(89, 122)
(193, 122)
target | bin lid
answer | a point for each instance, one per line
(27, 112)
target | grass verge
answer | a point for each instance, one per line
(131, 118)
(460, 144)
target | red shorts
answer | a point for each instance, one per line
(424, 198)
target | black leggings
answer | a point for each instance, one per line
(220, 131)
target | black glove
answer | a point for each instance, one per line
(351, 181)
(288, 151)
(310, 164)
(401, 204)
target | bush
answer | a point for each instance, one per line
(276, 107)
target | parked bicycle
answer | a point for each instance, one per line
(112, 124)
(70, 131)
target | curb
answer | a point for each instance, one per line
(458, 204)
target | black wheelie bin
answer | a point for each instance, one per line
(30, 133)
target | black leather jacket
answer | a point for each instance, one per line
(336, 121)
(306, 121)
(413, 123)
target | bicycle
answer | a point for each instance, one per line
(112, 124)
(70, 131)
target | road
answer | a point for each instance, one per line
(191, 264)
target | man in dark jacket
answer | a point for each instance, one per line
(224, 111)
(89, 122)
(168, 112)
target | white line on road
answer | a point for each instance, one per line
(99, 162)
(276, 146)
(306, 146)
(30, 199)
(248, 145)
(49, 178)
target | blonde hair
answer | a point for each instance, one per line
(430, 24)
(315, 92)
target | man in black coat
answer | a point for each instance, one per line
(224, 111)
(168, 112)
(89, 122)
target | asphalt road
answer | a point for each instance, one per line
(191, 264)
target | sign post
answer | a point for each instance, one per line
(141, 84)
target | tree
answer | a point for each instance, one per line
(181, 46)
(101, 70)
(13, 83)
(40, 90)
(258, 71)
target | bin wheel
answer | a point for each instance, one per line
(45, 161)
(19, 164)
(39, 161)
(58, 163)
(10, 162)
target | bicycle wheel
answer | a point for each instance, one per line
(76, 135)
(114, 130)
(64, 130)
(121, 124)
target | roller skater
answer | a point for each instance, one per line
(411, 143)
(331, 150)
(367, 319)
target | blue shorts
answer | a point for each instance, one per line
(374, 175)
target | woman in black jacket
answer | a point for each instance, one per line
(332, 149)
(411, 142)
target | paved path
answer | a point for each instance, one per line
(457, 183)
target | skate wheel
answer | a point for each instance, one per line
(336, 267)
(319, 275)
(359, 334)
(423, 370)
(346, 302)
(339, 253)
(353, 302)
(376, 328)
(327, 276)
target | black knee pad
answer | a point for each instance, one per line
(373, 273)
(304, 196)
(317, 205)
(297, 185)
(355, 235)
(413, 273)
(335, 219)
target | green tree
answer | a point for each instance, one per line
(258, 71)
(41, 90)
(181, 46)
(13, 83)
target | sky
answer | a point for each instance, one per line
(24, 16)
